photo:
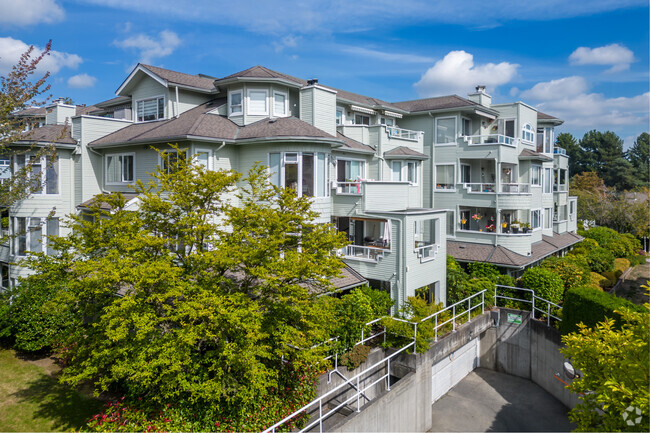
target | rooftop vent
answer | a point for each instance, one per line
(312, 81)
(480, 88)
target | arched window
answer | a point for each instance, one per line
(528, 133)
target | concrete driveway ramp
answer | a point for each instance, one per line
(487, 401)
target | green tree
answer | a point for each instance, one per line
(569, 143)
(639, 157)
(613, 365)
(546, 284)
(602, 152)
(192, 300)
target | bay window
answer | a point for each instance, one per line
(304, 172)
(446, 130)
(535, 219)
(445, 177)
(548, 180)
(536, 175)
(204, 158)
(235, 107)
(150, 109)
(120, 168)
(280, 104)
(404, 171)
(257, 102)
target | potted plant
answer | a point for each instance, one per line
(504, 227)
(490, 228)
(525, 227)
(515, 225)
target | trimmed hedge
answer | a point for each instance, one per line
(591, 306)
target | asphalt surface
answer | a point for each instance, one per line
(487, 401)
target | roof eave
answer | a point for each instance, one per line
(139, 68)
(234, 80)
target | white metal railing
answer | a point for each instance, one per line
(405, 134)
(476, 140)
(534, 301)
(515, 188)
(363, 252)
(427, 252)
(476, 188)
(349, 188)
(319, 405)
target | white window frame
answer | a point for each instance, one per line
(547, 181)
(121, 182)
(342, 111)
(286, 104)
(240, 105)
(540, 175)
(164, 113)
(392, 171)
(435, 178)
(460, 173)
(416, 172)
(209, 152)
(354, 119)
(250, 112)
(572, 209)
(384, 120)
(299, 163)
(462, 126)
(160, 158)
(28, 234)
(435, 132)
(43, 164)
(541, 219)
(404, 171)
(344, 159)
(525, 132)
(548, 224)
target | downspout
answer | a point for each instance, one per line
(223, 143)
(404, 257)
(177, 104)
(431, 168)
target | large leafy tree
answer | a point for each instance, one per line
(190, 298)
(614, 382)
(602, 153)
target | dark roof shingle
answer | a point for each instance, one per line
(404, 152)
(437, 103)
(354, 145)
(58, 134)
(200, 82)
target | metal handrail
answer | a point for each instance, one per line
(534, 298)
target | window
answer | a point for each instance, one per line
(235, 106)
(43, 174)
(396, 171)
(169, 160)
(535, 219)
(51, 175)
(535, 175)
(52, 229)
(451, 223)
(120, 168)
(339, 116)
(36, 174)
(279, 104)
(4, 270)
(204, 158)
(29, 234)
(528, 133)
(348, 170)
(388, 121)
(506, 127)
(405, 171)
(412, 172)
(548, 180)
(150, 109)
(572, 210)
(360, 119)
(5, 168)
(306, 173)
(446, 130)
(465, 171)
(445, 177)
(548, 219)
(257, 102)
(467, 126)
(426, 235)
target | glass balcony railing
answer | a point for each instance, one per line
(405, 134)
(480, 188)
(349, 188)
(559, 151)
(362, 252)
(475, 140)
(515, 188)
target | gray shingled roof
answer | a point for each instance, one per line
(437, 103)
(31, 111)
(363, 100)
(262, 72)
(200, 123)
(59, 134)
(200, 82)
(529, 154)
(353, 145)
(541, 115)
(119, 100)
(501, 256)
(403, 152)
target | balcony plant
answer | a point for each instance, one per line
(525, 227)
(490, 228)
(477, 217)
(515, 225)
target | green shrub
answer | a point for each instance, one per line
(597, 281)
(356, 356)
(357, 308)
(483, 270)
(506, 280)
(621, 265)
(584, 247)
(637, 260)
(620, 245)
(471, 286)
(600, 260)
(571, 274)
(591, 306)
(611, 278)
(544, 282)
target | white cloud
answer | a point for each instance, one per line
(563, 87)
(150, 48)
(81, 81)
(11, 49)
(288, 41)
(456, 73)
(616, 55)
(28, 12)
(387, 55)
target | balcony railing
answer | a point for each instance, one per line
(405, 134)
(476, 140)
(561, 187)
(559, 151)
(480, 188)
(349, 188)
(362, 252)
(426, 251)
(515, 188)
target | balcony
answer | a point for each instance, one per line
(480, 188)
(559, 151)
(349, 188)
(560, 188)
(363, 253)
(404, 134)
(426, 251)
(490, 139)
(379, 135)
(515, 188)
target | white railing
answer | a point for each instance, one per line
(535, 301)
(476, 188)
(477, 140)
(405, 134)
(319, 406)
(561, 187)
(349, 188)
(559, 151)
(426, 252)
(515, 188)
(362, 252)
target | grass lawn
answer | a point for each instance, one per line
(31, 398)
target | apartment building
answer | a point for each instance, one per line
(402, 180)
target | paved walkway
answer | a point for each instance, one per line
(487, 401)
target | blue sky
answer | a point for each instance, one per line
(585, 62)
